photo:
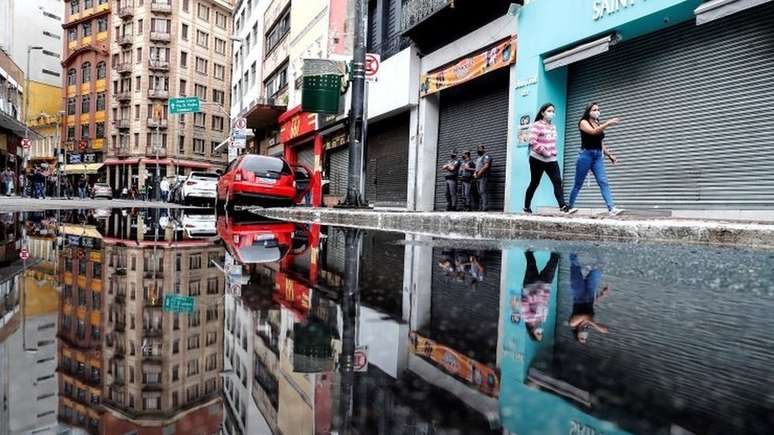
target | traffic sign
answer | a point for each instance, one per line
(26, 143)
(24, 254)
(240, 124)
(184, 105)
(179, 304)
(83, 144)
(372, 64)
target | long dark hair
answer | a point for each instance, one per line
(587, 112)
(543, 108)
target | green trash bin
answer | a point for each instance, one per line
(320, 93)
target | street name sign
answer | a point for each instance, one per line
(184, 105)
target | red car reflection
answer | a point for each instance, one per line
(262, 180)
(259, 241)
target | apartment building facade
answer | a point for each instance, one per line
(160, 50)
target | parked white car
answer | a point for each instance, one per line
(198, 225)
(199, 187)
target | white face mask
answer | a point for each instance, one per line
(595, 114)
(549, 116)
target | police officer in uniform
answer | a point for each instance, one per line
(483, 167)
(452, 168)
(467, 168)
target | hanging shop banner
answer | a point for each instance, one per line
(476, 65)
(472, 372)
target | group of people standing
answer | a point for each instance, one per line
(467, 171)
(542, 157)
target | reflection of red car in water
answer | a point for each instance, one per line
(262, 180)
(260, 241)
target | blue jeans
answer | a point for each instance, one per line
(594, 161)
(584, 289)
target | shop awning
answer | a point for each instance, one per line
(154, 161)
(111, 162)
(262, 114)
(82, 168)
(580, 52)
(82, 231)
(715, 9)
(191, 164)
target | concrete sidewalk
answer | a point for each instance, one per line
(16, 203)
(497, 226)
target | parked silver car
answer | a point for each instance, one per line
(102, 190)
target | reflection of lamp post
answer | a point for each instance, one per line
(27, 95)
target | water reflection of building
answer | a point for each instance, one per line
(80, 367)
(163, 369)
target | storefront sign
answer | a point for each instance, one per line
(476, 65)
(299, 125)
(82, 158)
(473, 372)
(337, 140)
(602, 8)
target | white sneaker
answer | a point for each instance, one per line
(615, 211)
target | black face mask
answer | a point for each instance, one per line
(480, 153)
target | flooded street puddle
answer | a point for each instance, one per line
(180, 321)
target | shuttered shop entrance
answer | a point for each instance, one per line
(697, 104)
(338, 170)
(387, 166)
(471, 114)
(306, 155)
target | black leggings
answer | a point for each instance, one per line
(536, 169)
(531, 274)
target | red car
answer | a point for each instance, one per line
(260, 241)
(262, 180)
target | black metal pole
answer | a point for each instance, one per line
(357, 141)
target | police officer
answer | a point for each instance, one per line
(452, 168)
(467, 168)
(481, 174)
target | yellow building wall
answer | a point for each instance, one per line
(42, 297)
(44, 98)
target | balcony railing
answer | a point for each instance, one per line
(158, 65)
(156, 123)
(160, 36)
(124, 68)
(162, 8)
(389, 47)
(158, 93)
(126, 12)
(414, 12)
(152, 332)
(125, 40)
(121, 123)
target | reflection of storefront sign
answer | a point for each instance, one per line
(82, 158)
(602, 8)
(501, 55)
(292, 294)
(578, 428)
(473, 372)
(337, 140)
(299, 125)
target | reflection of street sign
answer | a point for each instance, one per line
(184, 105)
(179, 304)
(82, 145)
(372, 63)
(360, 360)
(26, 143)
(24, 254)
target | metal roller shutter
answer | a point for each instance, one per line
(338, 171)
(306, 155)
(696, 104)
(387, 168)
(472, 114)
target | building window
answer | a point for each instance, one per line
(86, 29)
(252, 74)
(160, 25)
(217, 123)
(182, 90)
(195, 262)
(201, 65)
(277, 32)
(277, 82)
(202, 39)
(102, 24)
(193, 287)
(100, 134)
(140, 26)
(71, 106)
(101, 71)
(180, 149)
(71, 130)
(85, 103)
(185, 6)
(211, 363)
(100, 103)
(218, 96)
(85, 131)
(220, 46)
(184, 32)
(193, 342)
(71, 77)
(88, 4)
(219, 71)
(72, 34)
(200, 91)
(193, 368)
(203, 12)
(183, 59)
(198, 146)
(75, 7)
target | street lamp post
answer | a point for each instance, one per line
(27, 96)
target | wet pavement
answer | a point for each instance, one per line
(180, 321)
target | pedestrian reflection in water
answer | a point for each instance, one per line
(458, 264)
(584, 297)
(536, 294)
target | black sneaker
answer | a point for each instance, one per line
(567, 210)
(527, 210)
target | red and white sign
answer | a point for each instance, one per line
(360, 360)
(372, 63)
(83, 144)
(26, 143)
(24, 254)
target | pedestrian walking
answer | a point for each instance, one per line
(467, 168)
(82, 187)
(452, 168)
(481, 174)
(164, 187)
(592, 155)
(542, 158)
(5, 181)
(38, 185)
